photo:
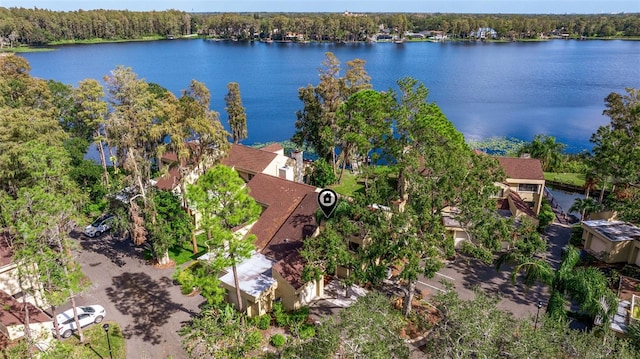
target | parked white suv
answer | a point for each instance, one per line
(99, 226)
(86, 315)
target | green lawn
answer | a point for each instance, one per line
(96, 345)
(575, 179)
(104, 41)
(352, 184)
(184, 253)
(349, 185)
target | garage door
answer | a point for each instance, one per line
(598, 245)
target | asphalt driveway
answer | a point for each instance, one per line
(139, 297)
(468, 274)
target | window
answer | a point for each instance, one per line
(527, 187)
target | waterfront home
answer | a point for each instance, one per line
(274, 272)
(520, 194)
(524, 178)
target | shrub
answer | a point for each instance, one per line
(300, 315)
(262, 322)
(576, 236)
(280, 315)
(278, 340)
(322, 174)
(307, 331)
(546, 216)
(252, 341)
(185, 278)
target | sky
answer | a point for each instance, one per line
(409, 6)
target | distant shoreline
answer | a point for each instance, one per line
(51, 46)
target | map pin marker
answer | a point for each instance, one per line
(327, 200)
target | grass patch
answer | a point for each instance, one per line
(352, 184)
(575, 179)
(96, 345)
(349, 185)
(103, 41)
(26, 49)
(183, 253)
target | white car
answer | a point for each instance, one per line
(87, 314)
(99, 226)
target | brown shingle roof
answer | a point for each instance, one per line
(290, 268)
(12, 312)
(248, 159)
(522, 168)
(281, 198)
(298, 226)
(521, 205)
(170, 180)
(274, 147)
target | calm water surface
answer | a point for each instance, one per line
(506, 89)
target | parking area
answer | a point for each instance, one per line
(139, 297)
(469, 274)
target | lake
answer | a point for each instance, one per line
(486, 89)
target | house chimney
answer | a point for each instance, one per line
(299, 171)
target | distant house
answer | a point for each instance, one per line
(484, 33)
(12, 309)
(612, 241)
(249, 161)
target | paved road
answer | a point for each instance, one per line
(468, 274)
(140, 298)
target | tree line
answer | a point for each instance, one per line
(46, 186)
(40, 26)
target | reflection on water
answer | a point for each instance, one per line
(565, 199)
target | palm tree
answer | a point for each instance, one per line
(585, 207)
(585, 285)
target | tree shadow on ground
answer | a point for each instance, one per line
(116, 249)
(476, 274)
(147, 302)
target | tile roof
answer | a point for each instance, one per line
(248, 159)
(12, 312)
(522, 168)
(281, 198)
